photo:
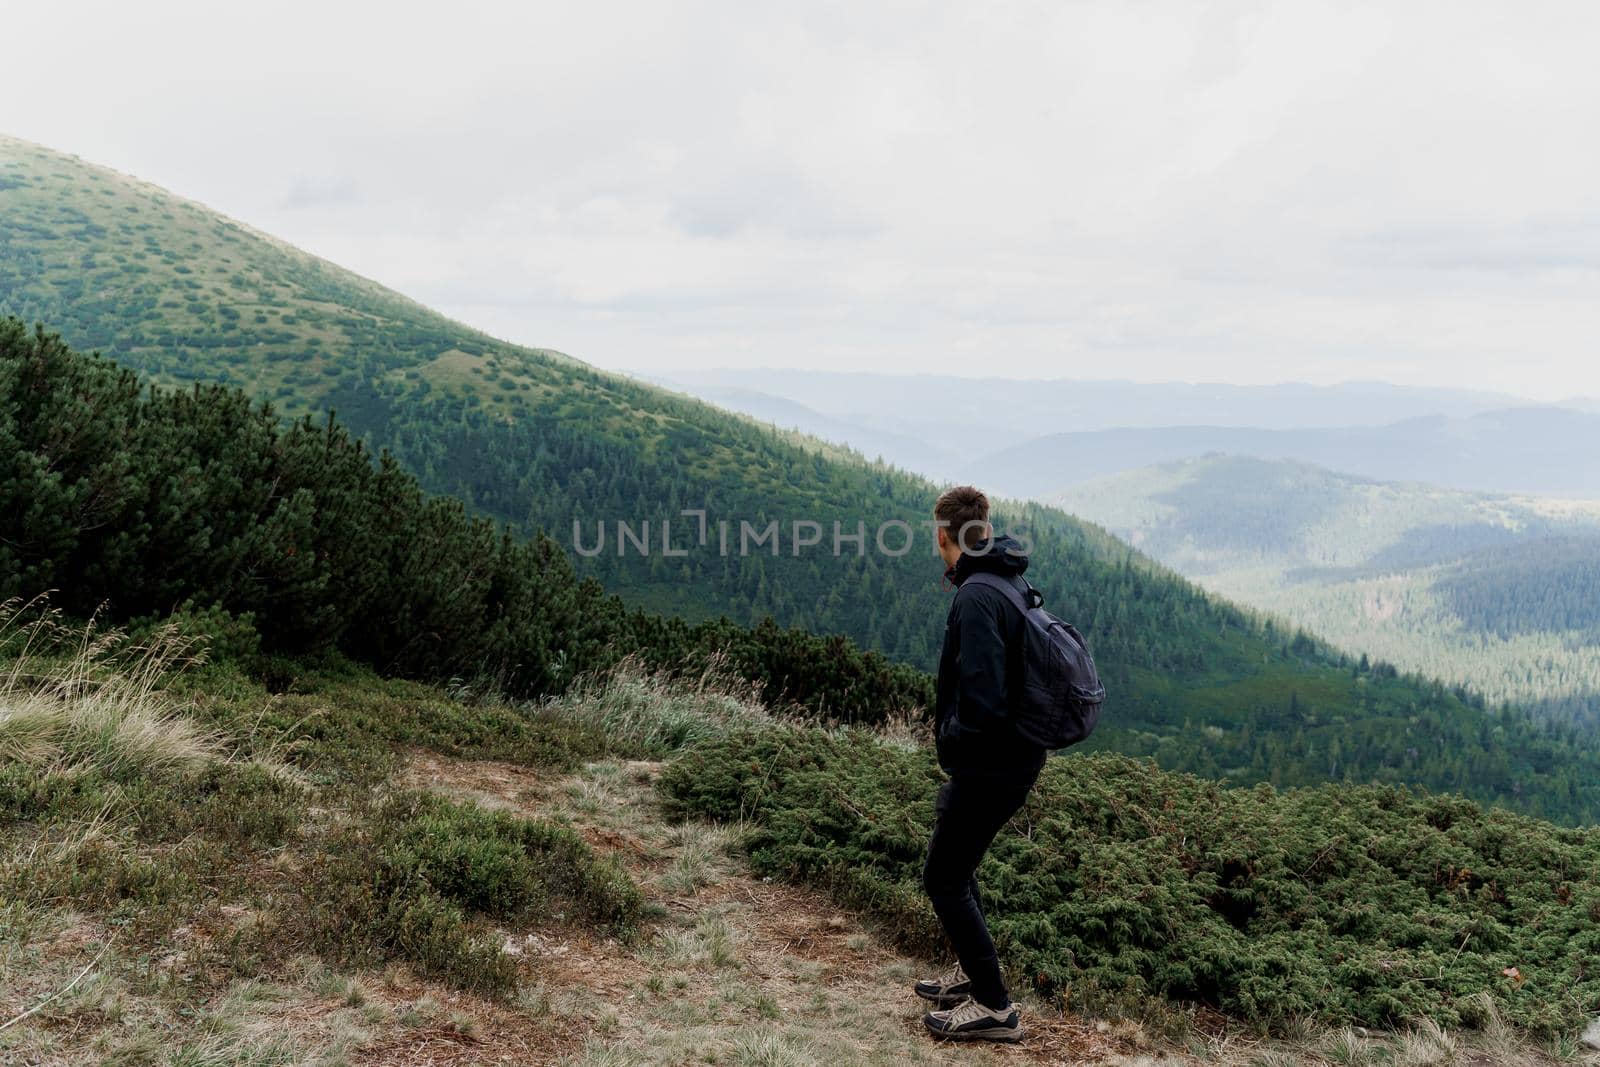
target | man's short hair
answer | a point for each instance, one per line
(964, 511)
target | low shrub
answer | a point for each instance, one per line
(418, 878)
(339, 723)
(1351, 905)
(113, 796)
(220, 634)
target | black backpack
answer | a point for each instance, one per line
(1061, 692)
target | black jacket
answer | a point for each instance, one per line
(980, 666)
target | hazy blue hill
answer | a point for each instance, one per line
(543, 441)
(1006, 410)
(1527, 449)
(1499, 592)
(866, 436)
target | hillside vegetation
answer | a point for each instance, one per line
(538, 440)
(1350, 905)
(285, 540)
(349, 870)
(185, 821)
(1498, 593)
(288, 540)
(527, 436)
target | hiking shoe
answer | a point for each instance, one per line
(946, 990)
(971, 1021)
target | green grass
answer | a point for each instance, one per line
(151, 799)
(647, 714)
(85, 703)
(338, 722)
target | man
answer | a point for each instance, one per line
(991, 768)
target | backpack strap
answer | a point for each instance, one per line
(1022, 603)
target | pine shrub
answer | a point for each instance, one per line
(1352, 905)
(282, 541)
(420, 878)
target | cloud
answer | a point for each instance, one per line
(320, 192)
(1244, 191)
(781, 201)
(1554, 244)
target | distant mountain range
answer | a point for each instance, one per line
(1515, 450)
(1425, 527)
(873, 438)
(1020, 408)
(1035, 438)
(1498, 592)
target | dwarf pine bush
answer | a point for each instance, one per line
(287, 540)
(1349, 905)
(418, 878)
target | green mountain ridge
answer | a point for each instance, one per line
(1496, 592)
(540, 440)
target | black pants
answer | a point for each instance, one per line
(971, 809)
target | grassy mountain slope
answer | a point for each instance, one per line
(1355, 905)
(1499, 593)
(182, 294)
(540, 440)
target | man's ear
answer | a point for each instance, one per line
(941, 536)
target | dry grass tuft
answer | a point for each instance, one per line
(1348, 1047)
(649, 713)
(1426, 1044)
(79, 700)
(702, 851)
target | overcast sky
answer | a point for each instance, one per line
(1246, 192)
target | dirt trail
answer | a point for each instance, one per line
(738, 969)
